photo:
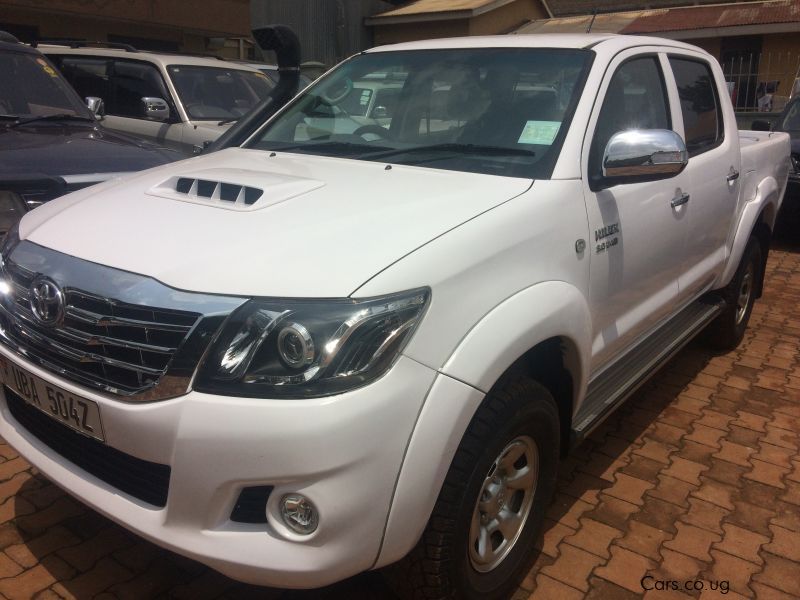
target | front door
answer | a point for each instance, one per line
(132, 80)
(637, 235)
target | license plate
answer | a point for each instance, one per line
(75, 412)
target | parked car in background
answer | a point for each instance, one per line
(789, 122)
(176, 100)
(271, 71)
(50, 142)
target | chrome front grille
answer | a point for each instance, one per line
(140, 350)
(126, 348)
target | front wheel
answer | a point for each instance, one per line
(727, 330)
(479, 540)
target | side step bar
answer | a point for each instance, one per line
(614, 385)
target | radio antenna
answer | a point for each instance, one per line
(594, 14)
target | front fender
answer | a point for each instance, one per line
(767, 202)
(540, 312)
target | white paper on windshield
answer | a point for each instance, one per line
(539, 132)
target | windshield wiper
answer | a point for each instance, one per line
(57, 117)
(345, 146)
(456, 148)
(230, 120)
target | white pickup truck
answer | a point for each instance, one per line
(347, 344)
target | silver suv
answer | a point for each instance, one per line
(176, 100)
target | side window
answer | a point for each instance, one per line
(132, 81)
(699, 104)
(636, 98)
(89, 76)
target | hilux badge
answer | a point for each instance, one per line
(46, 301)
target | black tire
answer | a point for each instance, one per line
(727, 330)
(440, 566)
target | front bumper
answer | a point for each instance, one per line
(343, 452)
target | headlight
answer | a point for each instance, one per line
(273, 348)
(12, 209)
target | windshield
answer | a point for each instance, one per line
(31, 87)
(791, 122)
(212, 93)
(500, 111)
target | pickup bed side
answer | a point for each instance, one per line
(764, 165)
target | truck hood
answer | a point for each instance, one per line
(320, 228)
(58, 149)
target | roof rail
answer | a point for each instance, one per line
(192, 54)
(85, 44)
(7, 37)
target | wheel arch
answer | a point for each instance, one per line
(542, 332)
(555, 364)
(757, 219)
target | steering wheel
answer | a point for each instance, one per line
(374, 129)
(330, 96)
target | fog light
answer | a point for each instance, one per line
(299, 514)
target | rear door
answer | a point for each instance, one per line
(714, 165)
(637, 236)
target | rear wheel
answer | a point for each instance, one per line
(479, 540)
(727, 330)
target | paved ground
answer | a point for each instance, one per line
(696, 479)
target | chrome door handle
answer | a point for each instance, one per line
(733, 175)
(678, 200)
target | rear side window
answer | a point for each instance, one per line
(636, 98)
(702, 116)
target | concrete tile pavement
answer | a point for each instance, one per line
(692, 489)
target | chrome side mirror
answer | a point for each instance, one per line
(155, 109)
(644, 154)
(96, 105)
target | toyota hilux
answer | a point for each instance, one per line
(345, 344)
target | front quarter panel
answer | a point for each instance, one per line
(480, 264)
(501, 283)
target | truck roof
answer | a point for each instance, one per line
(610, 41)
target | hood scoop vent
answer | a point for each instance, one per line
(234, 189)
(217, 190)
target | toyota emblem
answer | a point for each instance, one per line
(47, 301)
